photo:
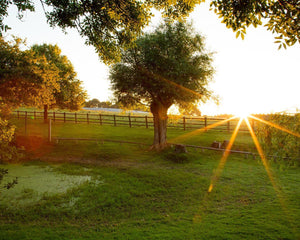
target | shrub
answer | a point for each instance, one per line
(279, 143)
(7, 150)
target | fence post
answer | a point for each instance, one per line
(100, 119)
(75, 117)
(205, 123)
(49, 130)
(25, 123)
(183, 123)
(53, 116)
(115, 123)
(129, 120)
(228, 126)
(64, 117)
(146, 121)
(87, 118)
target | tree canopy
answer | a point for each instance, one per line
(94, 103)
(106, 25)
(109, 25)
(71, 94)
(168, 66)
(282, 17)
(24, 78)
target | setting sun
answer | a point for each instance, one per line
(242, 109)
(242, 114)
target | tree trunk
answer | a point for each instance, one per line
(160, 119)
(45, 113)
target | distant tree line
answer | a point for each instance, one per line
(96, 103)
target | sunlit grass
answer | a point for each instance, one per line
(279, 193)
(144, 196)
(223, 160)
(217, 174)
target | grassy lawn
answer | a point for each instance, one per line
(95, 190)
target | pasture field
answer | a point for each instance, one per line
(106, 190)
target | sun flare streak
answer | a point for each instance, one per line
(269, 172)
(204, 129)
(260, 151)
(198, 216)
(223, 160)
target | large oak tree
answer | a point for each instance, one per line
(166, 67)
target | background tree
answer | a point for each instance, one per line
(24, 78)
(40, 77)
(168, 66)
(70, 94)
(190, 109)
(94, 103)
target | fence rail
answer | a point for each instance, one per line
(185, 123)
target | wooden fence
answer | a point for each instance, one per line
(130, 120)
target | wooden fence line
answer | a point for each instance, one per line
(245, 153)
(184, 122)
(254, 155)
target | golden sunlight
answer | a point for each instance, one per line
(223, 160)
(242, 113)
(264, 160)
(275, 126)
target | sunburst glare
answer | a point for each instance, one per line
(242, 113)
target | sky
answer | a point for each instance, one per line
(252, 76)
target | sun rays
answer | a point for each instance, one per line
(223, 160)
(217, 173)
(275, 126)
(243, 117)
(201, 130)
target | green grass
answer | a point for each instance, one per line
(89, 190)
